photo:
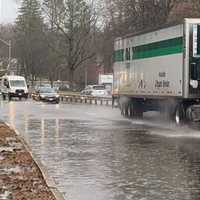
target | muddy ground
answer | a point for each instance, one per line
(20, 177)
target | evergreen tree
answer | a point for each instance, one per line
(30, 38)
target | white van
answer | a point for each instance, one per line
(14, 86)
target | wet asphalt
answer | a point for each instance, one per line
(93, 153)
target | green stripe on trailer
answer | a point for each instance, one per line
(118, 55)
(161, 48)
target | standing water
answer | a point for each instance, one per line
(94, 154)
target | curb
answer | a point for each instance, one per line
(49, 181)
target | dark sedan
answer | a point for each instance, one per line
(47, 94)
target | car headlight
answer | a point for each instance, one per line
(57, 96)
(42, 96)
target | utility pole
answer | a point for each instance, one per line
(9, 51)
(86, 76)
(9, 55)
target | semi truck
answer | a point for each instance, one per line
(159, 70)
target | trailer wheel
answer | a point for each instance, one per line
(179, 115)
(4, 96)
(137, 109)
(129, 110)
(126, 106)
(9, 97)
(122, 107)
(189, 114)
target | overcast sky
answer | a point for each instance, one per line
(8, 11)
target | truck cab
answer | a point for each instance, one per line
(14, 86)
(193, 57)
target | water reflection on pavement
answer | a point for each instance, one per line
(94, 154)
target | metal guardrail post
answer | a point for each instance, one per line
(86, 99)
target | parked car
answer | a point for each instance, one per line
(47, 94)
(95, 90)
(69, 88)
(64, 88)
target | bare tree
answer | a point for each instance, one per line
(74, 21)
(130, 16)
(125, 16)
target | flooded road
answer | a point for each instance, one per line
(95, 154)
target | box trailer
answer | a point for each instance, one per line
(159, 70)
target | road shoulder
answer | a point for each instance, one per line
(22, 176)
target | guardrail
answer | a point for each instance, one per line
(87, 100)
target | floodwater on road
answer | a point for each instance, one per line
(95, 154)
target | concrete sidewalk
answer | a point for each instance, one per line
(20, 176)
